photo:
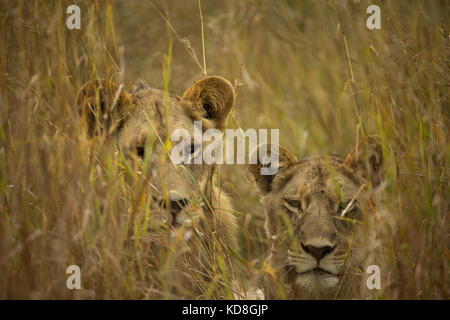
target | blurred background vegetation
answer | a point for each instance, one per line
(310, 68)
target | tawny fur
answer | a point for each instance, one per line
(303, 203)
(133, 120)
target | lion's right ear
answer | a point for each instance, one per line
(269, 161)
(104, 106)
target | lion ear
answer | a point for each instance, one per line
(275, 157)
(211, 98)
(366, 160)
(104, 106)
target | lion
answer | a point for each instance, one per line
(314, 210)
(139, 123)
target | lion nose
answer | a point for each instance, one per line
(178, 204)
(318, 251)
(177, 201)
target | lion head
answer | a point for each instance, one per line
(314, 208)
(140, 123)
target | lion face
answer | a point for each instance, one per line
(140, 124)
(313, 209)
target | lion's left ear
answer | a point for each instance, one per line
(366, 159)
(211, 99)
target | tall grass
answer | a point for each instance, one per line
(310, 68)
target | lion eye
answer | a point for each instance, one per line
(347, 208)
(140, 151)
(293, 205)
(191, 149)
